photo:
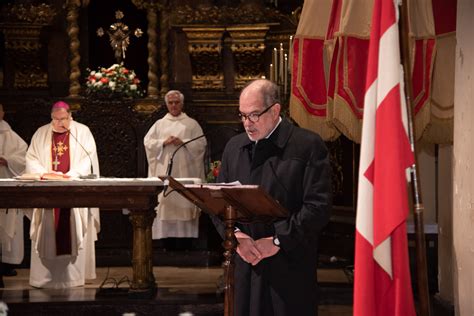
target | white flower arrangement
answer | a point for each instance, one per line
(113, 81)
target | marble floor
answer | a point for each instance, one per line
(176, 285)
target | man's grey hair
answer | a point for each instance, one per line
(269, 90)
(181, 96)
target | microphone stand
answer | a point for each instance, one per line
(91, 175)
(170, 163)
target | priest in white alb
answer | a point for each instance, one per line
(63, 239)
(12, 164)
(176, 217)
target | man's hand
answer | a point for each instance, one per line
(254, 251)
(247, 249)
(172, 140)
(3, 162)
(266, 247)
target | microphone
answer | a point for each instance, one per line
(170, 162)
(91, 175)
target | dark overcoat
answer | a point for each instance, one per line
(292, 165)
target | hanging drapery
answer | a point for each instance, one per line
(434, 119)
(350, 30)
(422, 47)
(309, 57)
(329, 60)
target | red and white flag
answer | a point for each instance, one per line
(382, 284)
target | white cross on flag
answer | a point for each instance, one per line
(382, 285)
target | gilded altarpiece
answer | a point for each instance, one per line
(248, 48)
(22, 25)
(205, 50)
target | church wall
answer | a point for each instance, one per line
(463, 164)
(445, 224)
(427, 163)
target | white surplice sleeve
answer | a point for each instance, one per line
(13, 151)
(153, 143)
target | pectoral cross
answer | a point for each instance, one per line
(60, 149)
(56, 163)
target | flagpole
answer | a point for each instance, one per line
(418, 207)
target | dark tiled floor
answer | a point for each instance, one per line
(179, 290)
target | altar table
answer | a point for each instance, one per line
(139, 196)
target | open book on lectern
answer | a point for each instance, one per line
(251, 202)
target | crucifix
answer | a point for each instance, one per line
(56, 163)
(119, 36)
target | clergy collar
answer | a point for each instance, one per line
(181, 116)
(271, 132)
(279, 135)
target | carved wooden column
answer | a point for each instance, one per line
(74, 44)
(152, 17)
(229, 244)
(164, 26)
(22, 27)
(248, 47)
(152, 7)
(205, 46)
(151, 103)
(143, 278)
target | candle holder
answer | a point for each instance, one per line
(280, 69)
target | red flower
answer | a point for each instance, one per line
(214, 169)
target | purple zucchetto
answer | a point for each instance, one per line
(60, 105)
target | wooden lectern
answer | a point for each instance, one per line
(231, 202)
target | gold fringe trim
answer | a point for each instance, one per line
(340, 114)
(341, 120)
(313, 123)
(422, 119)
(433, 129)
(439, 131)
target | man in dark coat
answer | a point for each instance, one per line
(275, 269)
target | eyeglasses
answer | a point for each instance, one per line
(254, 117)
(64, 119)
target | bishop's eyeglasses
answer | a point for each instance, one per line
(254, 117)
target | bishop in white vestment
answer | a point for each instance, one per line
(176, 216)
(63, 240)
(12, 164)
